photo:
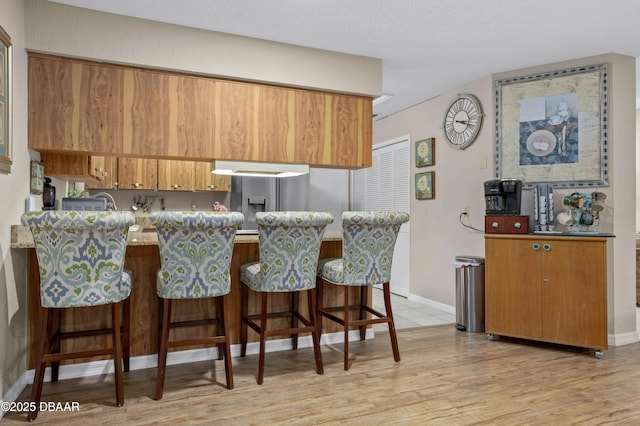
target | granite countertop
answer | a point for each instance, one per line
(145, 235)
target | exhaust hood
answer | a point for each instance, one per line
(250, 168)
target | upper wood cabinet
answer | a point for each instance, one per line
(77, 167)
(75, 106)
(207, 181)
(106, 171)
(175, 175)
(105, 109)
(137, 173)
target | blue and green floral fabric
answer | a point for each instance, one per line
(81, 256)
(368, 240)
(195, 252)
(289, 248)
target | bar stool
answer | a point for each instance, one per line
(81, 263)
(368, 241)
(195, 257)
(289, 244)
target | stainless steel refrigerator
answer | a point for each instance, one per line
(252, 194)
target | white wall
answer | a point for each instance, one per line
(83, 33)
(437, 236)
(15, 187)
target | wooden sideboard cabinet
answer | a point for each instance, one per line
(547, 288)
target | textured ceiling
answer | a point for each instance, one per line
(427, 46)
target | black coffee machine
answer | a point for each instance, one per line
(48, 195)
(502, 197)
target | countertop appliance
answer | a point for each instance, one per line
(84, 204)
(48, 195)
(253, 194)
(503, 197)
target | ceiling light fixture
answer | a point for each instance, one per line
(250, 168)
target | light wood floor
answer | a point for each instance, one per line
(445, 377)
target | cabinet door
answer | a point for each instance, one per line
(207, 181)
(137, 173)
(574, 293)
(512, 288)
(175, 175)
(106, 172)
(75, 106)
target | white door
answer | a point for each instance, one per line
(386, 186)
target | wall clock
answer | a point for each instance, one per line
(462, 121)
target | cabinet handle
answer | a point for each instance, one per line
(546, 247)
(517, 225)
(546, 280)
(494, 225)
(175, 186)
(211, 186)
(137, 185)
(535, 246)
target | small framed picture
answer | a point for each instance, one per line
(426, 186)
(37, 177)
(425, 154)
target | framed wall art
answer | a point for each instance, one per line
(551, 127)
(426, 186)
(425, 154)
(5, 102)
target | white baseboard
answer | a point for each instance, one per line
(432, 303)
(623, 338)
(14, 392)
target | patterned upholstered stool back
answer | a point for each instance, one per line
(80, 256)
(289, 248)
(195, 252)
(368, 241)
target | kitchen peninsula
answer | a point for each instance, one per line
(143, 259)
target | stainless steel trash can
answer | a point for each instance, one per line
(469, 293)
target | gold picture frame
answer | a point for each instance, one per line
(425, 152)
(551, 127)
(5, 102)
(425, 186)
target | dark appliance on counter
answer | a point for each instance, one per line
(503, 197)
(253, 194)
(502, 203)
(48, 195)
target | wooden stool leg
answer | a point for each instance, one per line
(314, 334)
(221, 325)
(263, 330)
(294, 318)
(244, 309)
(364, 300)
(116, 312)
(126, 333)
(55, 345)
(43, 349)
(162, 353)
(319, 306)
(346, 327)
(392, 328)
(228, 369)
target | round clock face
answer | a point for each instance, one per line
(462, 121)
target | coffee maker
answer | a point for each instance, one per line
(503, 197)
